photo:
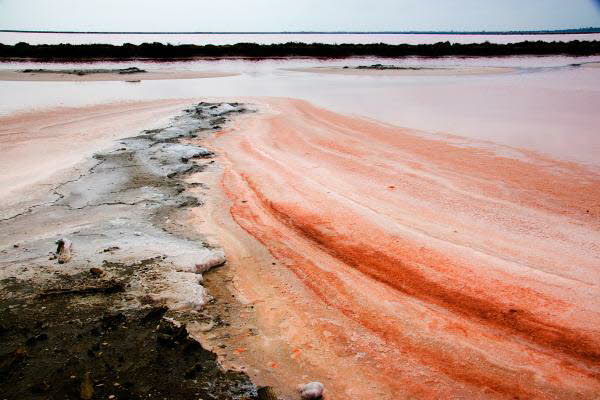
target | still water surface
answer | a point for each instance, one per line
(545, 104)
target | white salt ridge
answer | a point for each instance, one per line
(223, 109)
(183, 292)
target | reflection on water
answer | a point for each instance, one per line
(551, 110)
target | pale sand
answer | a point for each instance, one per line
(16, 75)
(390, 265)
(38, 147)
(405, 72)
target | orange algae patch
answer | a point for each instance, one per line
(430, 269)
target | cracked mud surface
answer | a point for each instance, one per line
(106, 322)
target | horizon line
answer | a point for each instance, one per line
(584, 30)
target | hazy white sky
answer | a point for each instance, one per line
(282, 15)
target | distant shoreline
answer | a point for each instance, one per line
(159, 51)
(582, 31)
(132, 75)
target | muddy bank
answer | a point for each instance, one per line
(78, 336)
(81, 72)
(392, 70)
(110, 320)
(132, 74)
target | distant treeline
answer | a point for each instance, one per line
(292, 49)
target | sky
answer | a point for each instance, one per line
(297, 15)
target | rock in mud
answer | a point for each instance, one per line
(311, 391)
(63, 250)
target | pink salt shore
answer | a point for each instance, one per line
(388, 264)
(383, 262)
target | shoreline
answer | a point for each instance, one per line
(291, 194)
(240, 342)
(448, 71)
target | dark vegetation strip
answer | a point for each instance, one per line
(292, 49)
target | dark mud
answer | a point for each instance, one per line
(82, 72)
(383, 67)
(66, 344)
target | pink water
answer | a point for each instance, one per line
(545, 104)
(219, 38)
